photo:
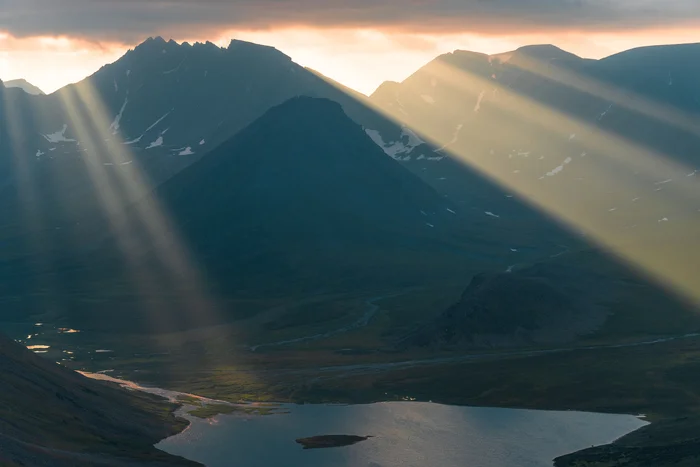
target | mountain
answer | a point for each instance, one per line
(554, 302)
(605, 147)
(67, 158)
(533, 107)
(299, 202)
(25, 85)
(52, 416)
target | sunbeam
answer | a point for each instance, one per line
(157, 259)
(624, 98)
(611, 169)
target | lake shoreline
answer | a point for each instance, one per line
(192, 402)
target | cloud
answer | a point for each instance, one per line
(130, 20)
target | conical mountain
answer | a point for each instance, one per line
(304, 195)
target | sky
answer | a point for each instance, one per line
(360, 43)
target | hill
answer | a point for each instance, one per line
(52, 416)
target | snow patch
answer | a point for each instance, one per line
(559, 168)
(133, 141)
(39, 153)
(605, 112)
(429, 224)
(477, 107)
(115, 124)
(450, 210)
(395, 148)
(186, 152)
(664, 182)
(174, 69)
(157, 122)
(201, 143)
(489, 213)
(455, 135)
(59, 136)
(572, 136)
(156, 143)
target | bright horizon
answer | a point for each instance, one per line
(361, 58)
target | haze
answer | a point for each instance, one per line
(360, 46)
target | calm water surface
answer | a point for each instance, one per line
(407, 434)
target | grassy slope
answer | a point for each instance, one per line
(50, 415)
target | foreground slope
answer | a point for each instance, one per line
(52, 416)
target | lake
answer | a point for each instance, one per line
(406, 434)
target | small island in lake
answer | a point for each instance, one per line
(330, 441)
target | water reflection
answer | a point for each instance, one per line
(408, 434)
(38, 347)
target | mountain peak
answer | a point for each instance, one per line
(155, 39)
(301, 109)
(387, 90)
(156, 44)
(245, 47)
(25, 85)
(545, 52)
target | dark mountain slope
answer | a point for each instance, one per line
(303, 186)
(555, 302)
(52, 416)
(91, 148)
(300, 202)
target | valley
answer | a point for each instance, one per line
(480, 234)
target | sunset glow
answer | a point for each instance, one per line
(359, 58)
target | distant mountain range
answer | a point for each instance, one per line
(153, 112)
(172, 187)
(83, 167)
(608, 145)
(24, 85)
